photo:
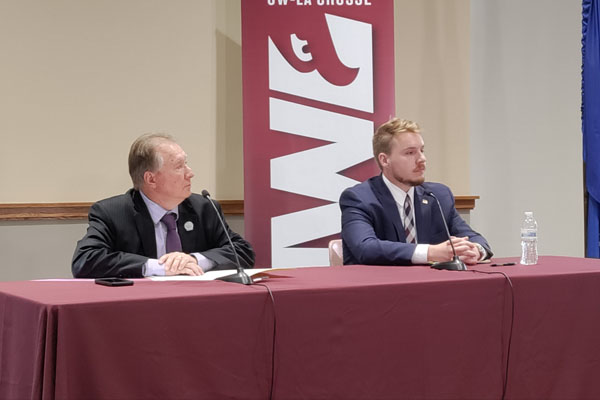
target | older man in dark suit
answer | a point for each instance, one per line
(159, 227)
(393, 218)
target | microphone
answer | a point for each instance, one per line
(455, 264)
(241, 276)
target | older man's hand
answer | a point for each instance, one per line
(177, 263)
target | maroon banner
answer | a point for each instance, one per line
(318, 78)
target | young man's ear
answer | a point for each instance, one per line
(383, 159)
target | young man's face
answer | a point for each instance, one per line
(405, 165)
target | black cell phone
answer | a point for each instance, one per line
(113, 282)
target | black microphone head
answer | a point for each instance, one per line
(205, 194)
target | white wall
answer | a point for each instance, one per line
(525, 122)
(80, 80)
(431, 46)
(38, 250)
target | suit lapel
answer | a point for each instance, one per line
(423, 208)
(188, 226)
(144, 225)
(389, 206)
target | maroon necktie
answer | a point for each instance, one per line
(173, 240)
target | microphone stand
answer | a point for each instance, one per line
(455, 264)
(240, 276)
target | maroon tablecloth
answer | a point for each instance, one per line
(345, 332)
(556, 340)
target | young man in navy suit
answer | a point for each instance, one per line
(159, 227)
(393, 218)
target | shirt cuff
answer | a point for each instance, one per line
(420, 254)
(482, 252)
(153, 268)
(205, 263)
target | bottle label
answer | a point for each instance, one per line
(528, 234)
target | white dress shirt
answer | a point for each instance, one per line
(399, 195)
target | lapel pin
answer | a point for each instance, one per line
(189, 225)
(425, 201)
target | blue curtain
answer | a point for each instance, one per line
(590, 112)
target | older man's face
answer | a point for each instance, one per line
(173, 179)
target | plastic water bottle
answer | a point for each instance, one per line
(529, 254)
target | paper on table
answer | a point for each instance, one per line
(212, 275)
(62, 280)
(208, 276)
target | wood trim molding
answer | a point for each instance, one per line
(465, 202)
(232, 207)
(43, 211)
(79, 211)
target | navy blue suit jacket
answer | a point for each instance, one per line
(373, 233)
(120, 237)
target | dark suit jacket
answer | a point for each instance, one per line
(120, 237)
(373, 233)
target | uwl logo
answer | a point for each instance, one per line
(302, 68)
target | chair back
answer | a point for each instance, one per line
(336, 253)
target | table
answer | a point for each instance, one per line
(359, 332)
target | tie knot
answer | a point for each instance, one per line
(407, 205)
(169, 220)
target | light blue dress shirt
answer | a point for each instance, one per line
(152, 266)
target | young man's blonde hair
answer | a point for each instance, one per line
(383, 136)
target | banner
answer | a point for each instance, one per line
(590, 88)
(318, 78)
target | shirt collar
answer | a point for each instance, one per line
(398, 194)
(156, 211)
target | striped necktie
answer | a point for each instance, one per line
(409, 222)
